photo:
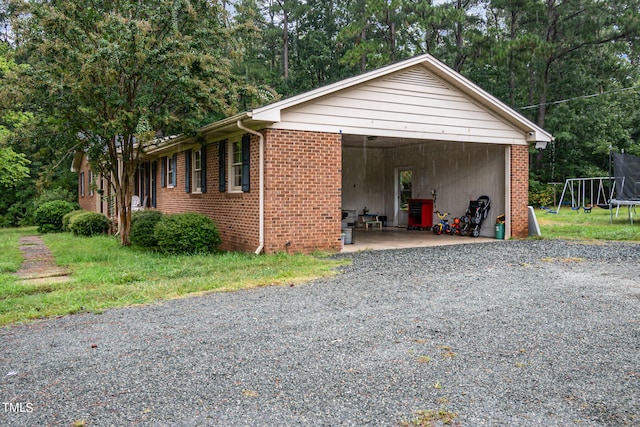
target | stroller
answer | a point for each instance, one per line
(476, 213)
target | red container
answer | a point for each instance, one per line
(420, 214)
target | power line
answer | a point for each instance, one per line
(580, 97)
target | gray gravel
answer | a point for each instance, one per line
(522, 333)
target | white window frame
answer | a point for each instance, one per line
(234, 178)
(82, 183)
(171, 172)
(196, 171)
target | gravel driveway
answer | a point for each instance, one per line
(522, 333)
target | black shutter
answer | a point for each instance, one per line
(174, 163)
(222, 163)
(147, 182)
(203, 169)
(163, 172)
(154, 171)
(187, 171)
(246, 163)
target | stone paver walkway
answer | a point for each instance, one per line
(39, 266)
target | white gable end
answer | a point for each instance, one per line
(410, 103)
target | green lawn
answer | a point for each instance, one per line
(106, 275)
(597, 225)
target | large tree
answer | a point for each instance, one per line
(13, 166)
(118, 75)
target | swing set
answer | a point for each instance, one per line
(586, 193)
(589, 192)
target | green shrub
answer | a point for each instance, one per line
(143, 224)
(187, 233)
(540, 194)
(66, 219)
(18, 214)
(48, 216)
(89, 224)
(58, 193)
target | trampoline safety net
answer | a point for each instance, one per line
(626, 169)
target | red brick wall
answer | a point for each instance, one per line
(90, 200)
(302, 194)
(235, 214)
(519, 191)
(303, 180)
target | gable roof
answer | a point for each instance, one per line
(426, 65)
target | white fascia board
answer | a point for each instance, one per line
(418, 135)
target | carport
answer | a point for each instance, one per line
(450, 173)
(411, 130)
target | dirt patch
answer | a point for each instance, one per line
(39, 265)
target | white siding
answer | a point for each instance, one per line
(409, 104)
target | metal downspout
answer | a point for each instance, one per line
(261, 192)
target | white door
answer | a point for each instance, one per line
(403, 192)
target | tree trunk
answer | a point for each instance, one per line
(124, 193)
(542, 111)
(363, 57)
(392, 36)
(285, 42)
(124, 220)
(459, 29)
(511, 59)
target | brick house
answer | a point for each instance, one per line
(278, 177)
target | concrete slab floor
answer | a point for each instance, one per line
(398, 237)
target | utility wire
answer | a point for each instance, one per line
(580, 97)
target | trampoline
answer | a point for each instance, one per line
(626, 170)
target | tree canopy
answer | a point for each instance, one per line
(13, 166)
(114, 75)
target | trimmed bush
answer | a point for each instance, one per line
(143, 224)
(89, 224)
(187, 233)
(67, 218)
(48, 216)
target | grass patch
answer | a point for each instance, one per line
(106, 275)
(10, 256)
(424, 359)
(430, 417)
(597, 225)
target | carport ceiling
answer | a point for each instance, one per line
(361, 141)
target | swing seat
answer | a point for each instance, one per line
(587, 209)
